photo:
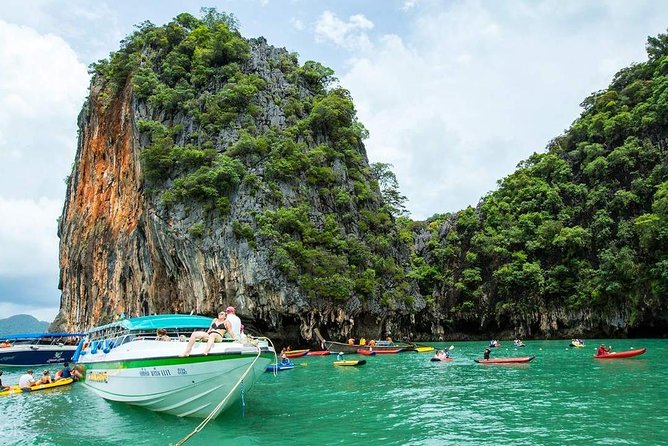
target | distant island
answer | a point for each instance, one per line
(22, 323)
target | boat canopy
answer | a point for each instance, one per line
(157, 321)
(40, 335)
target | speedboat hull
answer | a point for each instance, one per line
(129, 361)
(186, 387)
(34, 355)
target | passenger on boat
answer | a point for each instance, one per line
(5, 344)
(362, 341)
(26, 380)
(67, 372)
(284, 357)
(219, 326)
(235, 323)
(351, 341)
(46, 378)
(602, 350)
(372, 343)
(440, 355)
(161, 335)
(485, 355)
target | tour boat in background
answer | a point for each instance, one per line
(125, 361)
(34, 349)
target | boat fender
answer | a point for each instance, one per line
(107, 346)
(93, 348)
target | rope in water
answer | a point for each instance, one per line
(216, 409)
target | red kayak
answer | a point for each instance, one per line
(319, 353)
(296, 353)
(387, 352)
(626, 354)
(361, 351)
(519, 360)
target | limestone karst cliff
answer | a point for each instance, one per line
(214, 170)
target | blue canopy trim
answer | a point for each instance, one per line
(40, 335)
(158, 321)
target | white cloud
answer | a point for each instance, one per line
(351, 35)
(297, 24)
(476, 87)
(42, 87)
(28, 236)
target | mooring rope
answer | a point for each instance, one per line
(216, 409)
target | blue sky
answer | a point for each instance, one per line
(453, 93)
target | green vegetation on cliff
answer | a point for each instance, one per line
(580, 228)
(575, 237)
(226, 120)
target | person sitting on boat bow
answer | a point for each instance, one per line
(219, 326)
(5, 344)
(603, 351)
(235, 323)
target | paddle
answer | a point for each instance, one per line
(452, 347)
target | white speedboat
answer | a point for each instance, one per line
(125, 361)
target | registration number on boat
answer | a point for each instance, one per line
(156, 372)
(100, 377)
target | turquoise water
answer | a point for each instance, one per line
(564, 396)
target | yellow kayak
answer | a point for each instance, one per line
(350, 362)
(16, 389)
(424, 349)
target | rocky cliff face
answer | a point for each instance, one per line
(128, 246)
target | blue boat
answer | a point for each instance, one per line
(283, 365)
(33, 349)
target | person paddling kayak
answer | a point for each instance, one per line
(602, 350)
(485, 355)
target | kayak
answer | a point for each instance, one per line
(388, 352)
(576, 345)
(318, 353)
(441, 359)
(518, 360)
(296, 353)
(350, 362)
(424, 349)
(16, 389)
(626, 354)
(279, 367)
(365, 352)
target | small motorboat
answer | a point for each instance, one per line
(517, 360)
(350, 362)
(281, 366)
(13, 390)
(618, 355)
(319, 353)
(34, 349)
(296, 353)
